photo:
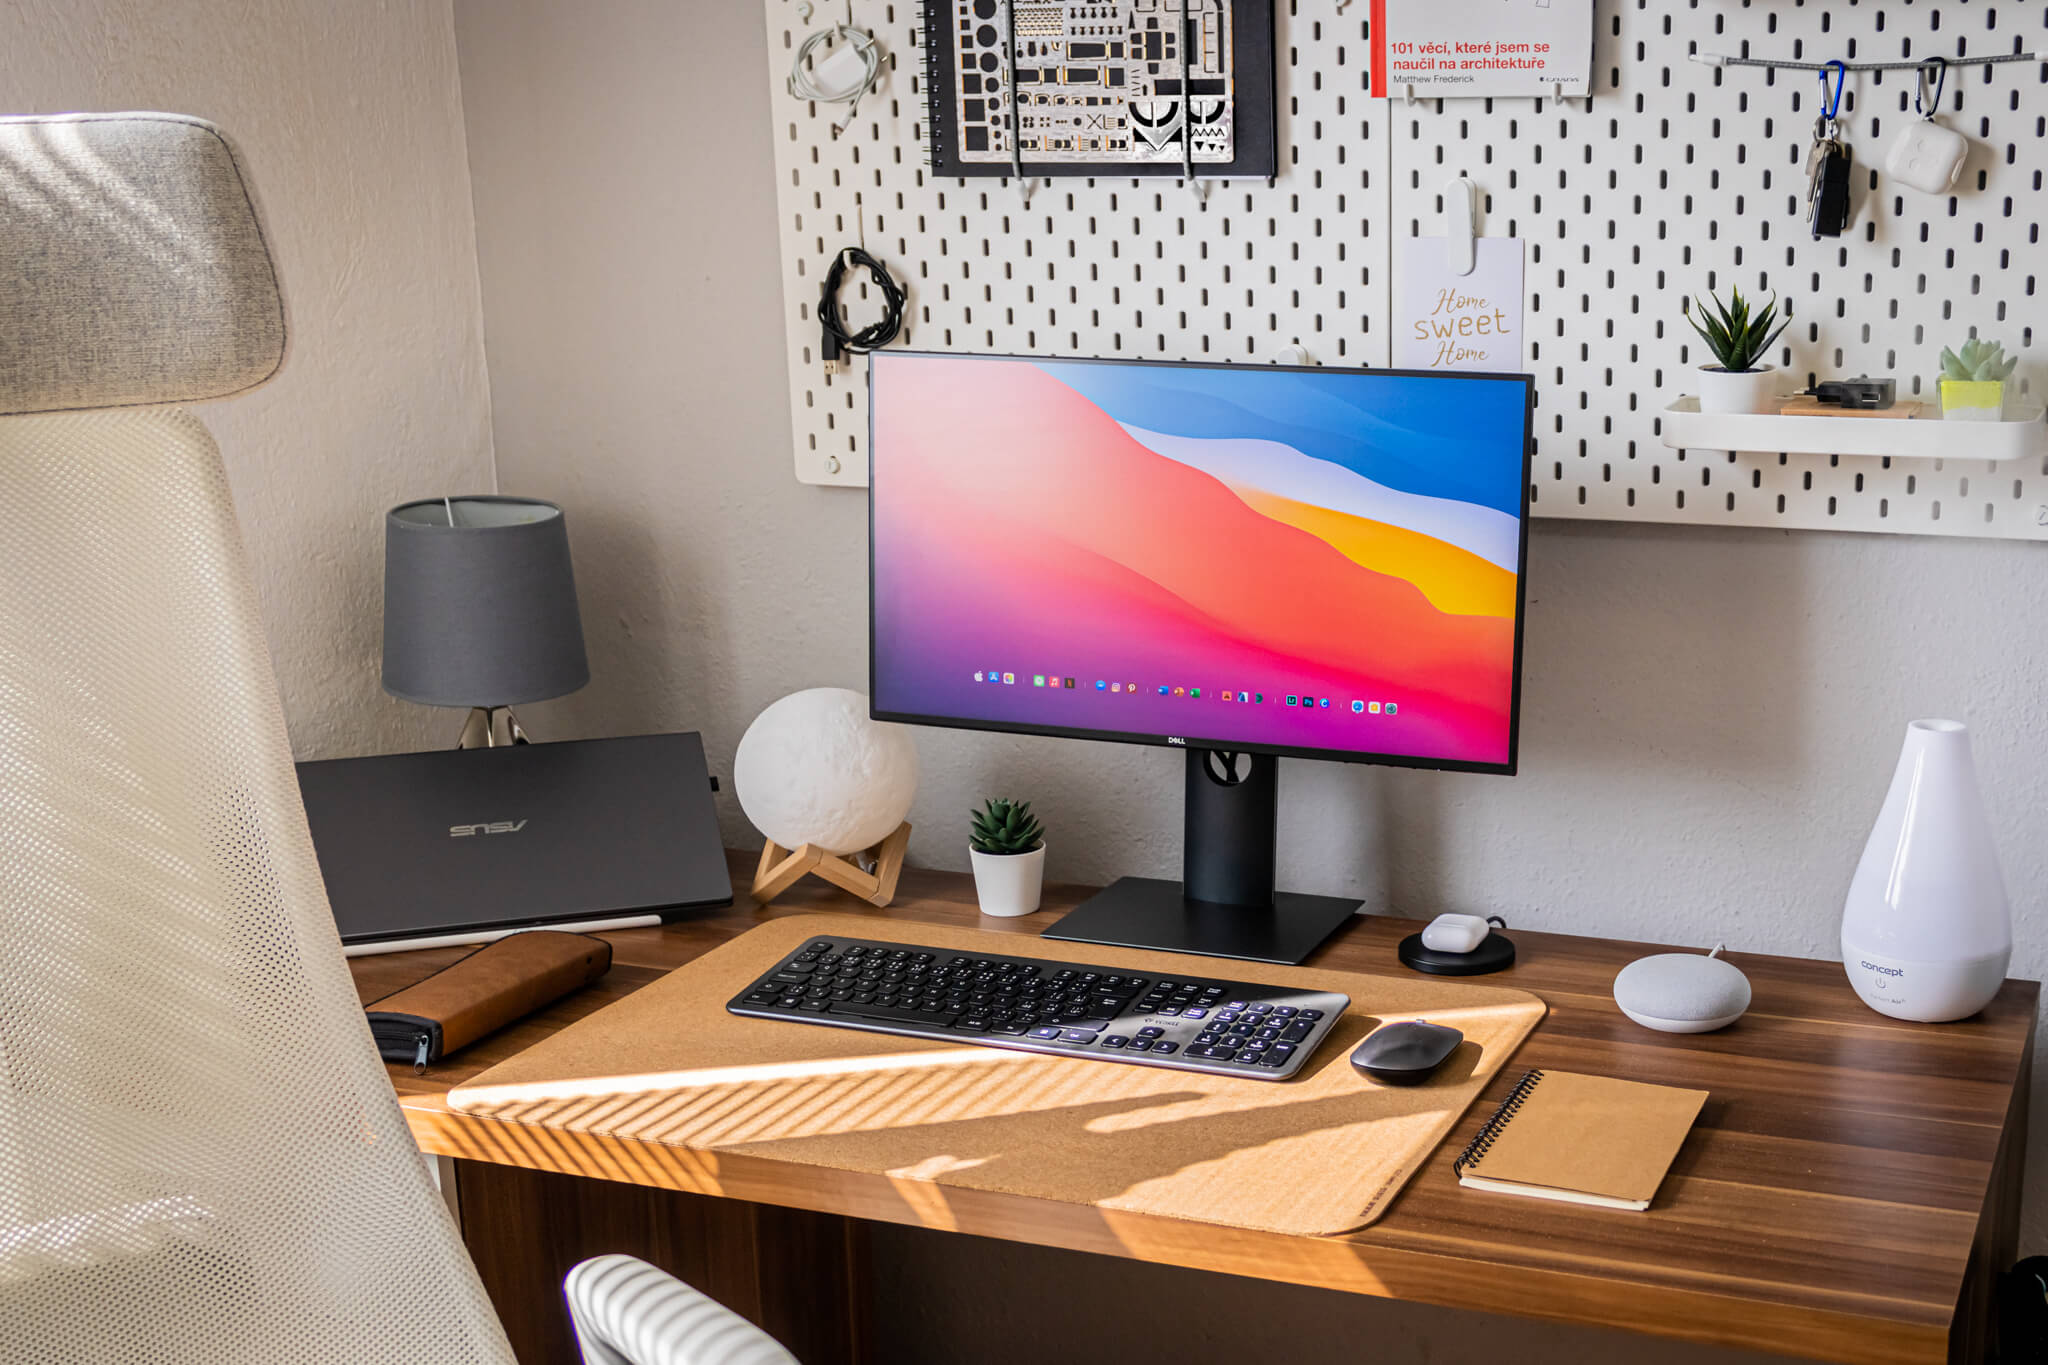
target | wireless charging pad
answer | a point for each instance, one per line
(1495, 952)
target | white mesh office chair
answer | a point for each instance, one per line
(201, 1160)
(626, 1312)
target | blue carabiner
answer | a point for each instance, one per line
(1831, 92)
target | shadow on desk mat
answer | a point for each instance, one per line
(1322, 1153)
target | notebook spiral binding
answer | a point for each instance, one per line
(1483, 1140)
(937, 130)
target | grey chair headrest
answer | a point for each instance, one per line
(133, 268)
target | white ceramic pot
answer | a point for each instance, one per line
(1926, 932)
(1008, 884)
(1739, 390)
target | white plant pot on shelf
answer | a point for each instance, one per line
(1926, 932)
(1008, 884)
(1751, 391)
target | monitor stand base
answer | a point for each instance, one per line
(1146, 912)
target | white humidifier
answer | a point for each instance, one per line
(1927, 933)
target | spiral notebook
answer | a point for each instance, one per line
(1582, 1139)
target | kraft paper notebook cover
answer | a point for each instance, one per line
(1323, 1153)
(1582, 1139)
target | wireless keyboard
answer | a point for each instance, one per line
(1189, 1023)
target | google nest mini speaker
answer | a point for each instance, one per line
(1682, 992)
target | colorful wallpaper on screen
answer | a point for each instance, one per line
(1310, 560)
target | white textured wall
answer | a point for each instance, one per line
(1709, 721)
(348, 118)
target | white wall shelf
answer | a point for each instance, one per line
(2025, 436)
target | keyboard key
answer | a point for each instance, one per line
(1162, 1049)
(1077, 1035)
(1251, 1057)
(1013, 1028)
(1194, 1014)
(1141, 1045)
(891, 1014)
(1311, 1015)
(1297, 1033)
(1261, 1008)
(1115, 1040)
(1284, 1011)
(1150, 1032)
(1048, 1034)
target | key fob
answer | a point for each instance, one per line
(1830, 191)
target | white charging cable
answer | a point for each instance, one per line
(844, 76)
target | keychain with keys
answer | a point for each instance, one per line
(1827, 165)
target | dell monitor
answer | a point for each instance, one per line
(1247, 562)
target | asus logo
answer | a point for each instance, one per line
(492, 827)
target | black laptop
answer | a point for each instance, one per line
(463, 845)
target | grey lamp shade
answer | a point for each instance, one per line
(481, 612)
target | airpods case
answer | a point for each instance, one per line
(1927, 156)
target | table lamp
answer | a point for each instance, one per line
(480, 609)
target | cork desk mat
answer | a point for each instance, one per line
(1319, 1154)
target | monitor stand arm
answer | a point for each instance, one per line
(1226, 906)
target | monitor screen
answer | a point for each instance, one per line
(1317, 562)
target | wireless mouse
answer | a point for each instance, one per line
(1405, 1053)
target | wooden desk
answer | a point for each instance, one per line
(1850, 1191)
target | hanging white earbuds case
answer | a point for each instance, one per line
(1927, 156)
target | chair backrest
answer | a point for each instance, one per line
(201, 1159)
(627, 1312)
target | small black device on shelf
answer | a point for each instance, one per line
(1862, 393)
(1190, 1023)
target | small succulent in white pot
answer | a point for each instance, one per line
(1973, 381)
(1007, 845)
(1739, 381)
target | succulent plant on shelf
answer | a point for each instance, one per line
(1737, 338)
(1978, 362)
(1005, 827)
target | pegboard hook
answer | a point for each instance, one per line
(1461, 225)
(1933, 72)
(1831, 89)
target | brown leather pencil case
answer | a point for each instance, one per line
(497, 984)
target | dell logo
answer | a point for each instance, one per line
(492, 827)
(1176, 739)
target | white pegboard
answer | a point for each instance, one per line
(1677, 176)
